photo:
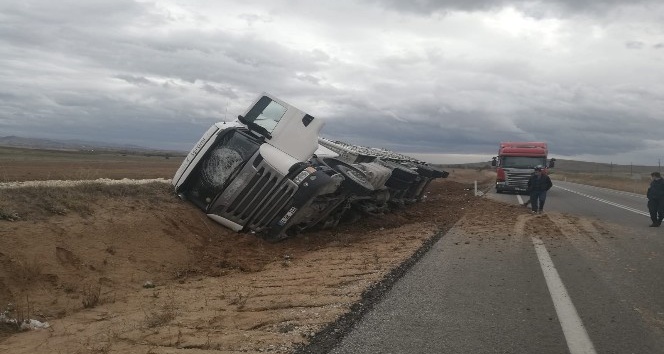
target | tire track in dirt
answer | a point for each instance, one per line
(519, 229)
(585, 235)
(278, 315)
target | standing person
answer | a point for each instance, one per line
(528, 201)
(656, 199)
(538, 185)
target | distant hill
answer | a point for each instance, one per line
(476, 165)
(72, 145)
(563, 165)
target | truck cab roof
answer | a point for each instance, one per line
(526, 148)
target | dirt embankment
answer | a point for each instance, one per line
(134, 269)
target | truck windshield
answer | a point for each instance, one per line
(266, 113)
(522, 161)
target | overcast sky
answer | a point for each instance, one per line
(423, 77)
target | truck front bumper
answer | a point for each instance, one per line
(504, 187)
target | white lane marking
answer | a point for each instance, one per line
(518, 197)
(575, 333)
(605, 201)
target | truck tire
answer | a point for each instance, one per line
(355, 181)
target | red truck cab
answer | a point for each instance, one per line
(515, 163)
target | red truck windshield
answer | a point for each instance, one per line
(522, 162)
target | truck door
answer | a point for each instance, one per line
(284, 126)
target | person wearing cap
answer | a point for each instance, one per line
(656, 199)
(538, 185)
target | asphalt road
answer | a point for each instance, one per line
(597, 286)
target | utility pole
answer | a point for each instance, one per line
(659, 165)
(630, 168)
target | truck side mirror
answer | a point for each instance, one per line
(552, 163)
(493, 162)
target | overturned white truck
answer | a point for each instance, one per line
(270, 173)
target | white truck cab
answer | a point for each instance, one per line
(267, 173)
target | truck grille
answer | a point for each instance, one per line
(256, 195)
(518, 179)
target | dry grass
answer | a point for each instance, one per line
(159, 318)
(30, 203)
(163, 315)
(624, 182)
(17, 164)
(19, 312)
(91, 296)
(27, 270)
(8, 213)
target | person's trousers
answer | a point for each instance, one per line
(656, 209)
(537, 199)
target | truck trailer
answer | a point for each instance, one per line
(270, 173)
(515, 163)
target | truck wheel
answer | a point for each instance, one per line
(355, 181)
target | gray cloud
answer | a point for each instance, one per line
(135, 79)
(634, 45)
(421, 77)
(532, 7)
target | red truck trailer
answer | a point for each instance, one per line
(516, 161)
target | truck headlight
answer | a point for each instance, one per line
(303, 175)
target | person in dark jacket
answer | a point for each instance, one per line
(538, 185)
(525, 204)
(656, 199)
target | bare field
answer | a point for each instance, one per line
(624, 181)
(635, 183)
(17, 164)
(133, 269)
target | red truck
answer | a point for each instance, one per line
(515, 163)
